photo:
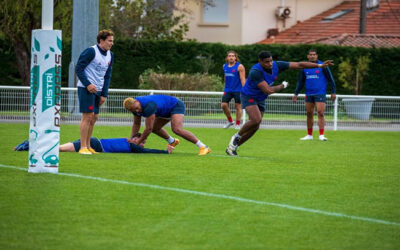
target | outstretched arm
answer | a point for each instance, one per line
(309, 65)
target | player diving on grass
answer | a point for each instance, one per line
(111, 145)
(254, 93)
(158, 110)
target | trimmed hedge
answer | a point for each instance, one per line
(132, 58)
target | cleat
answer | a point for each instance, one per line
(237, 127)
(228, 124)
(322, 138)
(204, 150)
(24, 146)
(307, 138)
(175, 143)
(231, 151)
(92, 151)
(234, 141)
(84, 151)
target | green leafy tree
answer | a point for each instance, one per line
(19, 17)
(351, 76)
(146, 19)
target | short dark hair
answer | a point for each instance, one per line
(312, 50)
(264, 54)
(103, 34)
(137, 135)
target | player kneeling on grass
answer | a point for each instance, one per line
(158, 111)
(112, 145)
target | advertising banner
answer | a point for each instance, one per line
(45, 103)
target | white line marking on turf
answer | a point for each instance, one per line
(222, 196)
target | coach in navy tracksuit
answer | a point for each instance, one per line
(234, 80)
(94, 73)
(315, 80)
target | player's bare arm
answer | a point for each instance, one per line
(271, 89)
(309, 65)
(149, 122)
(242, 74)
(135, 126)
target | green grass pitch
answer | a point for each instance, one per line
(281, 193)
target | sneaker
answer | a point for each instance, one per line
(92, 151)
(237, 127)
(322, 138)
(204, 150)
(24, 146)
(231, 150)
(175, 143)
(234, 141)
(307, 138)
(84, 151)
(228, 124)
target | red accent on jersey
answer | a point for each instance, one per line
(91, 107)
(317, 71)
(251, 100)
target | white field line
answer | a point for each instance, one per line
(221, 196)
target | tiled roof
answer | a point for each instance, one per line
(360, 40)
(384, 20)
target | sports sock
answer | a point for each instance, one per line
(321, 131)
(230, 119)
(309, 131)
(237, 122)
(170, 140)
(200, 144)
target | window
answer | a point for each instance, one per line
(216, 14)
(337, 15)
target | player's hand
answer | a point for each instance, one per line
(285, 84)
(170, 148)
(294, 98)
(102, 100)
(327, 63)
(92, 88)
(333, 97)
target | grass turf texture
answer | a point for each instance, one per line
(354, 173)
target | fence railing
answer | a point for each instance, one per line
(203, 109)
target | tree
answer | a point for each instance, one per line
(19, 17)
(150, 19)
(351, 76)
(17, 20)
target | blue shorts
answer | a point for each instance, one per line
(315, 98)
(94, 143)
(88, 102)
(248, 101)
(179, 108)
(227, 97)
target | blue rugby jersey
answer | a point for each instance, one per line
(160, 105)
(232, 78)
(251, 89)
(315, 80)
(116, 145)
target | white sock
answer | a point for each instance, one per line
(200, 144)
(170, 140)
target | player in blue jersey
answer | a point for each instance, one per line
(254, 93)
(234, 80)
(315, 80)
(93, 70)
(158, 110)
(111, 145)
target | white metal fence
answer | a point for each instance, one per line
(203, 109)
